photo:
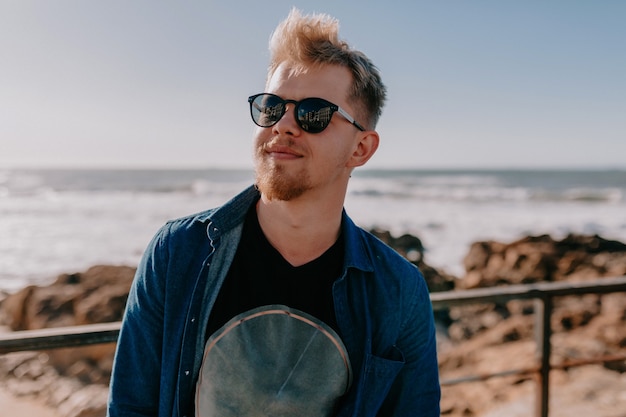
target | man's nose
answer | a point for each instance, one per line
(287, 124)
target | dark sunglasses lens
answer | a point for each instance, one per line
(267, 109)
(314, 114)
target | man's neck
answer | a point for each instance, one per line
(299, 230)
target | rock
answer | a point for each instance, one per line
(481, 253)
(406, 245)
(51, 306)
(541, 258)
(97, 295)
(102, 306)
(14, 308)
(94, 296)
(89, 401)
(494, 338)
(485, 339)
(480, 339)
(73, 381)
(412, 249)
(575, 311)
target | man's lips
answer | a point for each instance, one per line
(282, 152)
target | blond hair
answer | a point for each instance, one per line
(313, 40)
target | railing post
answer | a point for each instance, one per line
(543, 331)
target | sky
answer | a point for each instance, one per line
(163, 84)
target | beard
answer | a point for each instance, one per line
(275, 183)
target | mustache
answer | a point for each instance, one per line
(278, 141)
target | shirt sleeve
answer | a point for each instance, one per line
(135, 379)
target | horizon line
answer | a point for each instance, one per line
(197, 167)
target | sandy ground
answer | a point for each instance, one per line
(583, 392)
(22, 407)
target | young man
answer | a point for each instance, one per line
(276, 304)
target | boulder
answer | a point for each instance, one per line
(541, 258)
(500, 337)
(95, 296)
(411, 248)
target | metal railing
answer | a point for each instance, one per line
(59, 337)
(543, 294)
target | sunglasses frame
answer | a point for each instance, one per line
(333, 108)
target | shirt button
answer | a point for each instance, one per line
(186, 373)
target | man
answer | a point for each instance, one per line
(276, 304)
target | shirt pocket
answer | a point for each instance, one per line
(378, 375)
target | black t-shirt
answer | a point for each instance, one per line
(260, 276)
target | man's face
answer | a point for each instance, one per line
(290, 161)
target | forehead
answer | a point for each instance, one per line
(331, 82)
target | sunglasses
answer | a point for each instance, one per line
(312, 114)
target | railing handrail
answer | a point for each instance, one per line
(540, 290)
(88, 334)
(543, 293)
(59, 337)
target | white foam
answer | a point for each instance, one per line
(47, 229)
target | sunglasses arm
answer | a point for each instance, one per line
(350, 119)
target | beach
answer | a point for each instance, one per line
(14, 406)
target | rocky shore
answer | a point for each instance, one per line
(72, 381)
(474, 339)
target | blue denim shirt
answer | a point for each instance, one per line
(381, 302)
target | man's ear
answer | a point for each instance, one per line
(365, 148)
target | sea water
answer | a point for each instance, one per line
(63, 221)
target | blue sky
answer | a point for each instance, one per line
(472, 84)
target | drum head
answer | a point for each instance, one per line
(272, 361)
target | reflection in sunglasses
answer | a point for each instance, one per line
(312, 114)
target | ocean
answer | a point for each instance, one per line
(64, 221)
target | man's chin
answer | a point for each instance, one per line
(281, 194)
(275, 184)
(280, 190)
